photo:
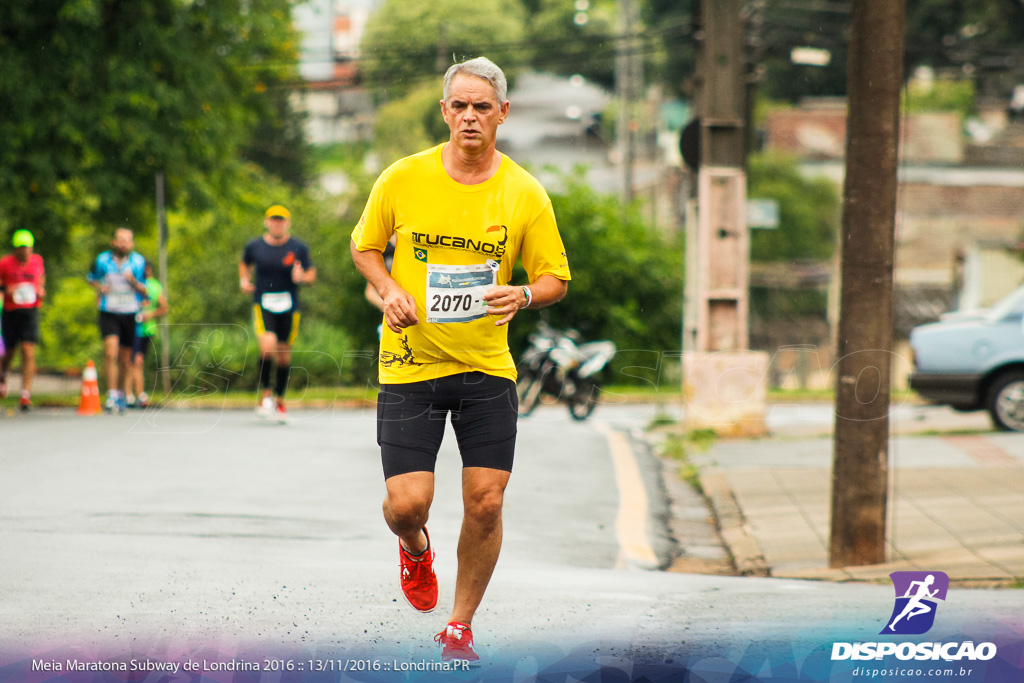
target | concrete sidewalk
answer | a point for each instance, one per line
(956, 500)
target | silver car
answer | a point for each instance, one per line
(974, 361)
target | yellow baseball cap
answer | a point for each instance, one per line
(278, 211)
(22, 238)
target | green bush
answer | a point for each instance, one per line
(211, 358)
(68, 327)
(409, 125)
(627, 283)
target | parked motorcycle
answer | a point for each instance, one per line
(557, 364)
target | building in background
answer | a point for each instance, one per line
(960, 207)
(958, 197)
(339, 109)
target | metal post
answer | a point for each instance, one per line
(165, 336)
(625, 90)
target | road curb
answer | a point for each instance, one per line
(744, 548)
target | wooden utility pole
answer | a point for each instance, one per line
(860, 456)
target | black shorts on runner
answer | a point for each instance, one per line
(285, 326)
(142, 343)
(20, 325)
(411, 422)
(120, 325)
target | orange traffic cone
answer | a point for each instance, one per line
(89, 403)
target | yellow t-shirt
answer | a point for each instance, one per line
(454, 243)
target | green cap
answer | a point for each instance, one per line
(23, 238)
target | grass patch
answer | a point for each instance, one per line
(702, 439)
(679, 446)
(955, 432)
(828, 395)
(196, 398)
(645, 393)
(310, 397)
(691, 475)
(661, 419)
(41, 401)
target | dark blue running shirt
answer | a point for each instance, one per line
(274, 267)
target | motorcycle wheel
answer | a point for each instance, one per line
(583, 401)
(528, 388)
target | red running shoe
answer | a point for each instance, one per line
(457, 640)
(419, 583)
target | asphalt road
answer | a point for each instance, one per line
(185, 534)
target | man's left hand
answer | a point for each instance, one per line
(505, 301)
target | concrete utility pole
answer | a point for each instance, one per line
(724, 241)
(860, 459)
(723, 382)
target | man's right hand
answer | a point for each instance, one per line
(247, 286)
(399, 309)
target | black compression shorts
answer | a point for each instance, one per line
(20, 325)
(411, 421)
(285, 326)
(120, 325)
(142, 343)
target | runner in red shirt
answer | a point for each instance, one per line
(23, 286)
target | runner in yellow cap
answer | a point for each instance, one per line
(272, 269)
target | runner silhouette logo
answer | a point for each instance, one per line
(917, 598)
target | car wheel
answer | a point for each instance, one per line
(1005, 402)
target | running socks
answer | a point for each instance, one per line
(416, 556)
(282, 380)
(265, 372)
(281, 376)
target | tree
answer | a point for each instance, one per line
(409, 43)
(808, 225)
(627, 278)
(410, 124)
(568, 41)
(581, 37)
(670, 58)
(808, 211)
(983, 34)
(100, 94)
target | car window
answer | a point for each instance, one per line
(1015, 317)
(1009, 309)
